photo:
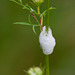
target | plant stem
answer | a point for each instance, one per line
(38, 8)
(47, 64)
(33, 16)
(47, 14)
(47, 25)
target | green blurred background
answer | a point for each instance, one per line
(19, 47)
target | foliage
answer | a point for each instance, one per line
(33, 13)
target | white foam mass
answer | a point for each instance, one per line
(47, 41)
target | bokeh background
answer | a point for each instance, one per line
(19, 46)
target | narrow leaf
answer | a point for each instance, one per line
(26, 8)
(31, 9)
(16, 2)
(34, 29)
(44, 13)
(23, 23)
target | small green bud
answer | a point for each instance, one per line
(35, 71)
(38, 2)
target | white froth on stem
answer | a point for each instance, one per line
(47, 41)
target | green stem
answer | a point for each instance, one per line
(47, 64)
(47, 25)
(47, 14)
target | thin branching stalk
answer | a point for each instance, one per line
(33, 16)
(47, 25)
(47, 14)
(38, 8)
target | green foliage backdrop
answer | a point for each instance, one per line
(19, 47)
